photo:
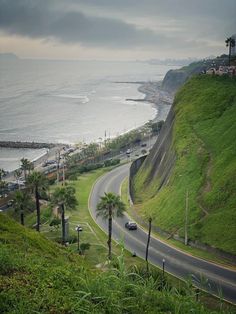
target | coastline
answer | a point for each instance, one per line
(160, 100)
(153, 94)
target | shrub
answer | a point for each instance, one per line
(84, 247)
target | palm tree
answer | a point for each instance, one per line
(64, 196)
(21, 201)
(3, 184)
(37, 181)
(2, 173)
(30, 167)
(109, 206)
(230, 42)
(17, 175)
(3, 187)
(25, 165)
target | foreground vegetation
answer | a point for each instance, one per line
(39, 276)
(203, 141)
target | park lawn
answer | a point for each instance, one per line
(92, 234)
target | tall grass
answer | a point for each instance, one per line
(38, 276)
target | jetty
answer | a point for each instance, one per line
(32, 145)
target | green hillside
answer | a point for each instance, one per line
(200, 158)
(39, 276)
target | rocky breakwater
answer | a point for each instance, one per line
(32, 145)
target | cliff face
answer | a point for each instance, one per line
(161, 159)
(174, 79)
(194, 155)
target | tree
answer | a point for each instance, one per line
(30, 167)
(17, 175)
(21, 201)
(230, 42)
(3, 184)
(2, 173)
(3, 188)
(64, 197)
(38, 182)
(25, 166)
(109, 206)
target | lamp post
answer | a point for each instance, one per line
(163, 267)
(78, 229)
(186, 219)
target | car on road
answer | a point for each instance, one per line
(49, 162)
(131, 225)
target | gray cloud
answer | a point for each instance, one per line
(32, 19)
(107, 23)
(171, 8)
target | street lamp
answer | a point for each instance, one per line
(78, 229)
(163, 266)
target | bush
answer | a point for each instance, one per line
(111, 162)
(84, 247)
(55, 222)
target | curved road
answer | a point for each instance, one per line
(215, 279)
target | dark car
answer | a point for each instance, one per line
(131, 225)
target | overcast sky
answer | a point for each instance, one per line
(116, 29)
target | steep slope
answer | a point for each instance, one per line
(174, 79)
(195, 154)
(38, 276)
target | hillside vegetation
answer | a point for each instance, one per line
(195, 154)
(39, 276)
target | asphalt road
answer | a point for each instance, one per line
(214, 278)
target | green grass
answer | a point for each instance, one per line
(97, 254)
(203, 141)
(39, 276)
(125, 192)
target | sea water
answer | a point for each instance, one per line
(70, 102)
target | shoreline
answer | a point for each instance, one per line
(161, 101)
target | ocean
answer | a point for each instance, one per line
(70, 102)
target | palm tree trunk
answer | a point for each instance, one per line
(63, 224)
(229, 52)
(37, 208)
(109, 233)
(22, 217)
(25, 175)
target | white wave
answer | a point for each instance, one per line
(84, 99)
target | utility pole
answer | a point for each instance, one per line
(186, 220)
(58, 166)
(105, 141)
(63, 224)
(63, 171)
(148, 242)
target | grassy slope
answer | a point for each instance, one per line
(38, 276)
(204, 142)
